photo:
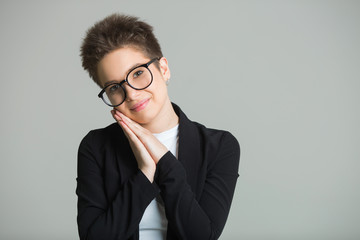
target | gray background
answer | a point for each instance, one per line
(282, 76)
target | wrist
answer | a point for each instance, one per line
(149, 172)
(163, 150)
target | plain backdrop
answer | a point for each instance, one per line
(282, 76)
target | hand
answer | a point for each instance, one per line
(145, 162)
(146, 148)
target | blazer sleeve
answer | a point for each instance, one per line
(203, 219)
(102, 218)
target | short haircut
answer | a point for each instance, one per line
(114, 32)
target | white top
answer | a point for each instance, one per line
(153, 224)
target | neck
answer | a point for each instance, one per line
(165, 120)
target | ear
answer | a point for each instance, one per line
(164, 68)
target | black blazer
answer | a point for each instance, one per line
(197, 188)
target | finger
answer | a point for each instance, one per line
(119, 117)
(153, 146)
(122, 116)
(128, 133)
(124, 127)
(145, 161)
(134, 126)
(131, 126)
(116, 116)
(133, 139)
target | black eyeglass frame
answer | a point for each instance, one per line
(146, 65)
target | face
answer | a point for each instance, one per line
(142, 106)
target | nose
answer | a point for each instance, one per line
(131, 94)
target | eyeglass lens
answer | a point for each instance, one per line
(139, 78)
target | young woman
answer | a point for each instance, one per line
(153, 174)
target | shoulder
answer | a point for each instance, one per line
(102, 136)
(219, 149)
(217, 138)
(99, 143)
(197, 132)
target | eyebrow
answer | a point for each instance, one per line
(110, 82)
(127, 72)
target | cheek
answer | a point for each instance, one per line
(121, 108)
(159, 90)
(158, 77)
(159, 84)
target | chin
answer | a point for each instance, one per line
(142, 118)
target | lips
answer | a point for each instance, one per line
(140, 105)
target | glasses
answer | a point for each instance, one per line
(138, 78)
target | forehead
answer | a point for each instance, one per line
(115, 65)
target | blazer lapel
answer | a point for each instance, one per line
(190, 152)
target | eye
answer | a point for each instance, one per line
(137, 73)
(113, 88)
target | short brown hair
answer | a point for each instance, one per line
(114, 32)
